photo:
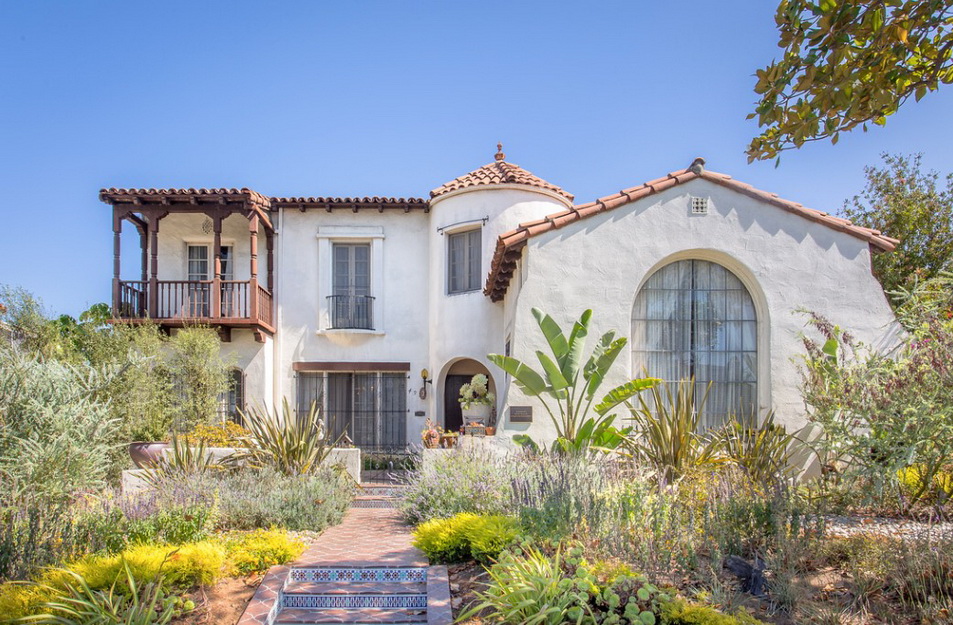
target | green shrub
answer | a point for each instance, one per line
(531, 587)
(463, 480)
(680, 612)
(490, 535)
(466, 536)
(250, 499)
(444, 540)
(256, 551)
(110, 523)
(184, 566)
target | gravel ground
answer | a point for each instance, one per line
(844, 526)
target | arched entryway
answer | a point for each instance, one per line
(458, 373)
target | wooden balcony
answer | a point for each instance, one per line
(224, 304)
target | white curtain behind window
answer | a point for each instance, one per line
(695, 318)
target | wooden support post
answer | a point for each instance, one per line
(253, 267)
(117, 242)
(217, 279)
(154, 278)
(144, 245)
(270, 245)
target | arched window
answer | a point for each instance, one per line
(696, 318)
(233, 400)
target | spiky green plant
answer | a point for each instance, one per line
(289, 443)
(182, 458)
(531, 588)
(763, 452)
(128, 603)
(666, 435)
(573, 383)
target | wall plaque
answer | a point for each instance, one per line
(521, 414)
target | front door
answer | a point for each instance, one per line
(452, 412)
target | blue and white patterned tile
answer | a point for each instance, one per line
(355, 602)
(331, 574)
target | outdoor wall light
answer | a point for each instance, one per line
(425, 375)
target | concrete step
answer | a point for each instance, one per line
(351, 617)
(354, 601)
(357, 588)
(413, 574)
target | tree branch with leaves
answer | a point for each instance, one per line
(846, 64)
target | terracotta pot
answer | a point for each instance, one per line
(432, 442)
(144, 455)
(490, 430)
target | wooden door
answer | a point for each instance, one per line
(452, 412)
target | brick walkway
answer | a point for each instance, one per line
(367, 536)
(367, 539)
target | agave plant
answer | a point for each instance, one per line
(666, 435)
(289, 443)
(572, 384)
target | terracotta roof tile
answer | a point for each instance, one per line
(498, 281)
(498, 172)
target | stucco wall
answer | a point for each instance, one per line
(178, 230)
(469, 325)
(787, 262)
(401, 295)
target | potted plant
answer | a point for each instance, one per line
(430, 435)
(476, 399)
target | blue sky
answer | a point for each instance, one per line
(380, 98)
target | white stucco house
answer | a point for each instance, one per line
(350, 302)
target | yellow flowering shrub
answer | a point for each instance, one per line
(253, 552)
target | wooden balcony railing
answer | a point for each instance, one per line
(198, 300)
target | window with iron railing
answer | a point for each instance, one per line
(370, 409)
(350, 304)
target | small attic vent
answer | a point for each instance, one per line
(699, 206)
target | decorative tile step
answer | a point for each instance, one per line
(401, 601)
(351, 617)
(374, 502)
(356, 588)
(381, 491)
(358, 574)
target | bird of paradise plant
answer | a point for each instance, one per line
(572, 384)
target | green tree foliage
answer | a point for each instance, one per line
(55, 436)
(906, 203)
(883, 413)
(847, 63)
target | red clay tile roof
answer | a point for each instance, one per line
(354, 203)
(510, 244)
(498, 172)
(113, 195)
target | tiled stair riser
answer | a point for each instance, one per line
(372, 503)
(333, 574)
(354, 602)
(380, 491)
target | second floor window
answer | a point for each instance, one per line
(351, 301)
(201, 263)
(463, 261)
